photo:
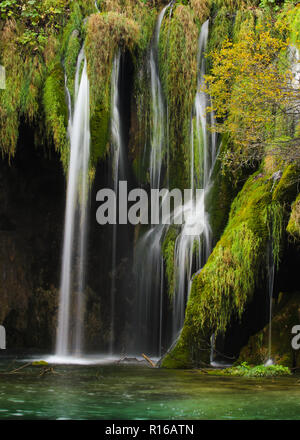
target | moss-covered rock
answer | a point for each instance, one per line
(286, 315)
(286, 190)
(56, 112)
(178, 67)
(70, 60)
(168, 251)
(235, 268)
(220, 195)
(293, 227)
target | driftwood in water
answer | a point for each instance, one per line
(149, 361)
(45, 368)
(128, 360)
(16, 370)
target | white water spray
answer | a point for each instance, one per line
(148, 259)
(71, 302)
(158, 132)
(271, 275)
(192, 250)
(117, 145)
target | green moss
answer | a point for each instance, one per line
(70, 61)
(293, 227)
(178, 358)
(178, 67)
(257, 371)
(21, 97)
(168, 251)
(139, 144)
(220, 195)
(286, 314)
(228, 281)
(244, 21)
(105, 33)
(128, 26)
(220, 29)
(100, 130)
(56, 112)
(286, 190)
(276, 215)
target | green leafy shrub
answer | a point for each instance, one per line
(244, 369)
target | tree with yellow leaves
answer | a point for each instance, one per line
(256, 97)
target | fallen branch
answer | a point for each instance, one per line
(149, 361)
(16, 370)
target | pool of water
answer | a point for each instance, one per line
(123, 391)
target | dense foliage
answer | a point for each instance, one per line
(256, 94)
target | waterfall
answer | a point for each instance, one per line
(191, 248)
(271, 275)
(117, 144)
(158, 133)
(193, 244)
(71, 301)
(148, 250)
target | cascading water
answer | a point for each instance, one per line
(117, 144)
(71, 302)
(191, 248)
(158, 134)
(271, 275)
(148, 250)
(193, 245)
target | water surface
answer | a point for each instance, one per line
(122, 391)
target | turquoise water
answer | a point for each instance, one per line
(139, 392)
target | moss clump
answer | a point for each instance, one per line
(201, 9)
(179, 356)
(70, 61)
(247, 370)
(243, 23)
(286, 190)
(34, 39)
(105, 33)
(124, 26)
(221, 29)
(168, 251)
(21, 96)
(220, 195)
(56, 112)
(293, 227)
(100, 130)
(178, 67)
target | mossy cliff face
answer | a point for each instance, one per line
(178, 67)
(293, 227)
(236, 269)
(236, 275)
(248, 209)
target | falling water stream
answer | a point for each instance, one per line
(271, 275)
(158, 134)
(69, 334)
(193, 244)
(191, 248)
(117, 146)
(148, 250)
